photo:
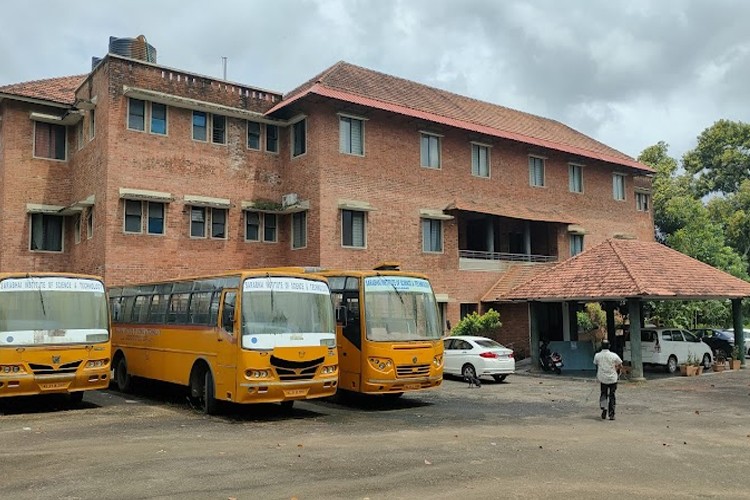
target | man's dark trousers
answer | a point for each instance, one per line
(608, 393)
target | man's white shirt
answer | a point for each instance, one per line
(607, 363)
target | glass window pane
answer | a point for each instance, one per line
(155, 218)
(199, 125)
(132, 216)
(272, 138)
(252, 226)
(218, 129)
(158, 118)
(198, 222)
(218, 223)
(269, 227)
(253, 135)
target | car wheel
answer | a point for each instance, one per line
(499, 378)
(469, 372)
(706, 361)
(672, 366)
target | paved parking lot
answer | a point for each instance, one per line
(531, 437)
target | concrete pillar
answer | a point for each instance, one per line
(739, 334)
(527, 237)
(636, 356)
(534, 325)
(566, 322)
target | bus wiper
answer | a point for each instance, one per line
(41, 300)
(398, 293)
(270, 288)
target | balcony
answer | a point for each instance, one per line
(473, 260)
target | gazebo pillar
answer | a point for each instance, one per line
(636, 356)
(534, 326)
(739, 334)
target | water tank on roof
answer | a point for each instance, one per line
(133, 48)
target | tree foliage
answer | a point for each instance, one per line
(721, 160)
(482, 325)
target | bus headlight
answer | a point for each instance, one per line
(329, 370)
(438, 360)
(328, 342)
(97, 363)
(382, 364)
(7, 369)
(257, 374)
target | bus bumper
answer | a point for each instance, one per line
(28, 384)
(385, 386)
(276, 392)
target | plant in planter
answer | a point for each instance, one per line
(737, 356)
(692, 366)
(720, 361)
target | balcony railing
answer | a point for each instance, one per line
(512, 257)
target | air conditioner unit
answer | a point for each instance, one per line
(289, 199)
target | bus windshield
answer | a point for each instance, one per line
(52, 311)
(283, 305)
(400, 308)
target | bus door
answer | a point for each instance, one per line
(226, 346)
(349, 339)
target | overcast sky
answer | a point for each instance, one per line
(627, 72)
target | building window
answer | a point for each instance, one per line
(576, 244)
(155, 218)
(200, 126)
(467, 309)
(158, 118)
(641, 202)
(92, 124)
(136, 114)
(353, 228)
(269, 227)
(299, 138)
(77, 228)
(536, 171)
(575, 179)
(299, 230)
(272, 138)
(218, 129)
(133, 216)
(432, 235)
(90, 223)
(253, 135)
(46, 233)
(219, 223)
(480, 160)
(254, 221)
(618, 187)
(49, 141)
(430, 150)
(351, 136)
(197, 222)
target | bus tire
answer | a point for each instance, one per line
(75, 398)
(208, 403)
(123, 379)
(287, 405)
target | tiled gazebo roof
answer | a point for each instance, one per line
(621, 269)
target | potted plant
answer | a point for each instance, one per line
(720, 361)
(737, 355)
(692, 366)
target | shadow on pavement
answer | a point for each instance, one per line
(46, 403)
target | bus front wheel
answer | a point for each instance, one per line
(203, 392)
(122, 377)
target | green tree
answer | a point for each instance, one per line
(482, 325)
(733, 213)
(721, 159)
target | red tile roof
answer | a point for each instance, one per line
(507, 207)
(619, 269)
(59, 90)
(514, 276)
(365, 87)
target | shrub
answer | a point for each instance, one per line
(483, 325)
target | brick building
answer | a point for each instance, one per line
(137, 171)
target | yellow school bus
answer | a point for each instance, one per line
(54, 334)
(388, 331)
(250, 336)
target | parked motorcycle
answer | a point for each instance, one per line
(551, 362)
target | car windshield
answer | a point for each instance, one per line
(400, 308)
(52, 311)
(489, 343)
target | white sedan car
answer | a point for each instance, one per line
(471, 357)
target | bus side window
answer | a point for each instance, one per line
(227, 312)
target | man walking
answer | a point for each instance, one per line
(608, 366)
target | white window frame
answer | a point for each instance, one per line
(364, 229)
(642, 201)
(90, 222)
(478, 172)
(618, 184)
(208, 126)
(278, 139)
(213, 211)
(92, 124)
(574, 168)
(62, 233)
(291, 232)
(213, 126)
(575, 237)
(125, 217)
(145, 115)
(151, 119)
(205, 223)
(77, 228)
(147, 216)
(342, 144)
(260, 135)
(430, 221)
(533, 159)
(428, 135)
